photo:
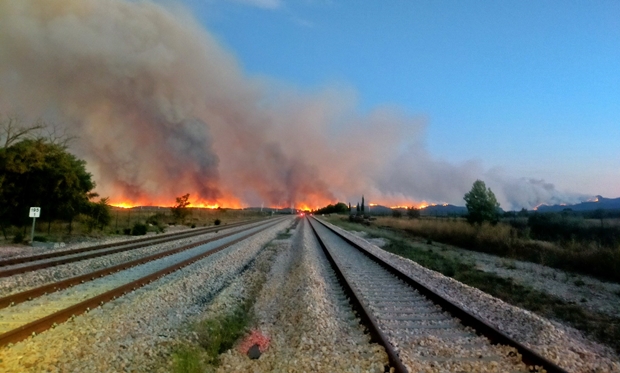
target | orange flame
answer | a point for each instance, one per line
(195, 203)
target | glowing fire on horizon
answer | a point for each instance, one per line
(236, 204)
(127, 204)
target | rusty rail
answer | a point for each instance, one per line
(365, 314)
(529, 356)
(27, 295)
(61, 316)
(97, 251)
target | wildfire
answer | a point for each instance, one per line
(206, 206)
(418, 205)
(123, 205)
(127, 204)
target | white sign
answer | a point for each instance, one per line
(35, 212)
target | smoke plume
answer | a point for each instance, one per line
(161, 109)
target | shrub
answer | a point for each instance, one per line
(583, 257)
(18, 238)
(413, 213)
(127, 231)
(217, 222)
(40, 238)
(396, 213)
(139, 229)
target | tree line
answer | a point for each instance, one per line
(36, 169)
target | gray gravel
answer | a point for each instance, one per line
(426, 338)
(304, 312)
(565, 346)
(23, 313)
(18, 283)
(134, 331)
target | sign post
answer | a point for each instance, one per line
(35, 212)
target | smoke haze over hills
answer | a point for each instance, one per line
(160, 109)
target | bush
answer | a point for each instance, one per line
(396, 213)
(217, 222)
(18, 238)
(127, 231)
(139, 229)
(193, 225)
(413, 213)
(40, 238)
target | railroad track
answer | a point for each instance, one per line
(37, 315)
(14, 266)
(420, 330)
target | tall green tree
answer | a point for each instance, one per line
(39, 173)
(481, 204)
(99, 213)
(362, 207)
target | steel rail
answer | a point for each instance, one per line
(97, 253)
(364, 312)
(50, 321)
(162, 238)
(529, 356)
(30, 294)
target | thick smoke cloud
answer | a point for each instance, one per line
(161, 109)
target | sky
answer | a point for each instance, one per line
(530, 88)
(305, 102)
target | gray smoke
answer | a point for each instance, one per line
(161, 109)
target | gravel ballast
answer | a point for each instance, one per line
(563, 345)
(17, 283)
(302, 309)
(135, 331)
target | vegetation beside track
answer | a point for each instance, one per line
(585, 252)
(601, 327)
(218, 333)
(134, 221)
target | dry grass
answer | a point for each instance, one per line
(503, 240)
(123, 219)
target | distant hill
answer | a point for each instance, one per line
(599, 202)
(433, 210)
(444, 210)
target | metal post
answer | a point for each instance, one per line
(32, 233)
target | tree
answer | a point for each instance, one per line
(413, 213)
(481, 204)
(99, 213)
(358, 208)
(180, 211)
(12, 129)
(338, 208)
(396, 213)
(362, 207)
(38, 173)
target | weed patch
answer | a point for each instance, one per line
(215, 335)
(284, 235)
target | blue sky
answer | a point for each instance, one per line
(531, 87)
